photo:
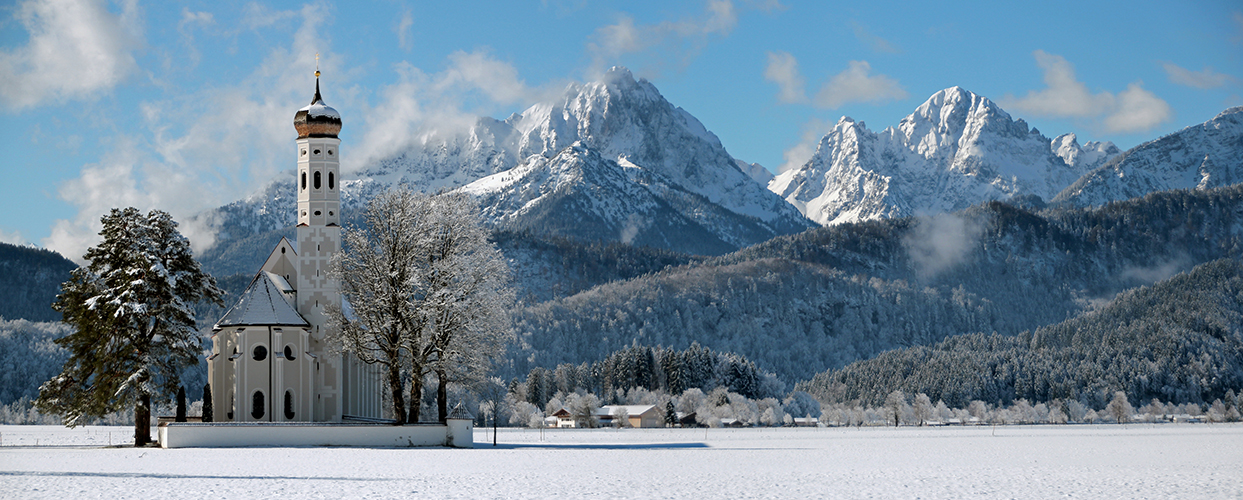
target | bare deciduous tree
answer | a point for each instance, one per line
(428, 292)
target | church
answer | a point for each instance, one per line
(269, 360)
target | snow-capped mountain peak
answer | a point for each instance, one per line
(605, 150)
(1201, 156)
(955, 150)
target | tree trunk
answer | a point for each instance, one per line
(416, 398)
(142, 421)
(442, 396)
(394, 385)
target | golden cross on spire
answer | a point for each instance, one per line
(317, 65)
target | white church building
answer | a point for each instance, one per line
(269, 360)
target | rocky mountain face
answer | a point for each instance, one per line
(1198, 157)
(956, 150)
(610, 160)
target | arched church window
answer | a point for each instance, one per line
(288, 405)
(317, 181)
(332, 180)
(260, 353)
(304, 181)
(256, 405)
(289, 353)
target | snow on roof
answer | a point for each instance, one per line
(321, 109)
(632, 410)
(263, 303)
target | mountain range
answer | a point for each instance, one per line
(1198, 157)
(614, 161)
(627, 222)
(956, 150)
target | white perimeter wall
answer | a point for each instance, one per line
(458, 434)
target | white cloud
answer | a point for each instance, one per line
(877, 43)
(783, 70)
(478, 70)
(419, 103)
(1064, 96)
(1132, 110)
(13, 238)
(196, 17)
(256, 15)
(405, 39)
(1203, 79)
(1238, 23)
(798, 155)
(127, 176)
(768, 6)
(1137, 110)
(666, 42)
(855, 84)
(77, 48)
(223, 143)
(200, 151)
(940, 242)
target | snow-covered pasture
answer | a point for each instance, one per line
(1074, 461)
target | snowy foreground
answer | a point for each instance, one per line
(1084, 461)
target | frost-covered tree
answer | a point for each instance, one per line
(583, 408)
(428, 294)
(621, 418)
(896, 406)
(1119, 408)
(379, 271)
(132, 310)
(465, 292)
(923, 408)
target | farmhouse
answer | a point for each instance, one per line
(637, 415)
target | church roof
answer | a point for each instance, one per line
(263, 303)
(317, 119)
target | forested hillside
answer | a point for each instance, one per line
(1179, 341)
(655, 369)
(789, 317)
(804, 303)
(30, 278)
(544, 267)
(28, 357)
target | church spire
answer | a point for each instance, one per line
(317, 97)
(317, 119)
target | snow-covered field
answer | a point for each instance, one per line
(1087, 461)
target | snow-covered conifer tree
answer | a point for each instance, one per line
(132, 310)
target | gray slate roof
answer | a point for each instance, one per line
(263, 304)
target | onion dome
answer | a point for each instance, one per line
(317, 119)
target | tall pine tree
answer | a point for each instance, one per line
(132, 310)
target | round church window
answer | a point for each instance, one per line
(260, 353)
(289, 354)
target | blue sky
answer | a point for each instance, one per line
(185, 106)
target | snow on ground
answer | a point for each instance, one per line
(1086, 461)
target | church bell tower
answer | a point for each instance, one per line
(319, 237)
